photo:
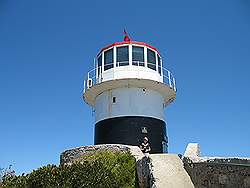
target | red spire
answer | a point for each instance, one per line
(126, 38)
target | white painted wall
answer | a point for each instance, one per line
(131, 71)
(129, 102)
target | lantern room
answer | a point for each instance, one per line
(129, 60)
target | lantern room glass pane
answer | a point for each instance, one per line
(108, 59)
(122, 56)
(151, 59)
(138, 55)
(99, 62)
(159, 64)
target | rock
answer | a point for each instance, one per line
(193, 151)
(142, 166)
(168, 171)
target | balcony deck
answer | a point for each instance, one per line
(129, 76)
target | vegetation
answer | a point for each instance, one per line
(103, 169)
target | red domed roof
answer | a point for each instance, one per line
(128, 42)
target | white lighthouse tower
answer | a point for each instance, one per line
(129, 89)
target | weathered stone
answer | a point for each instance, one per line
(142, 166)
(192, 151)
(247, 182)
(168, 171)
(214, 172)
(205, 172)
(218, 172)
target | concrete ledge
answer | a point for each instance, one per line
(168, 171)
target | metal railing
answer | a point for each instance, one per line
(95, 76)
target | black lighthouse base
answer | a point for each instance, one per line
(131, 130)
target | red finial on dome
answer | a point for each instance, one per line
(126, 38)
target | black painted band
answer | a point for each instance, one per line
(131, 130)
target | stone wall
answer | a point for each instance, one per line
(219, 172)
(216, 172)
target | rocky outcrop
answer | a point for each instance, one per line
(73, 155)
(142, 163)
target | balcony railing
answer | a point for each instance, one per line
(95, 76)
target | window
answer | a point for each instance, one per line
(99, 62)
(159, 64)
(114, 100)
(138, 55)
(151, 59)
(144, 130)
(122, 56)
(108, 59)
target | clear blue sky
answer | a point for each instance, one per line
(46, 47)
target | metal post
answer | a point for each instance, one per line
(84, 85)
(169, 79)
(145, 57)
(95, 70)
(156, 63)
(174, 84)
(130, 55)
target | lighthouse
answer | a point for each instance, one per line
(129, 89)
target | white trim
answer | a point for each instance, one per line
(169, 79)
(114, 56)
(102, 62)
(84, 86)
(145, 56)
(161, 66)
(107, 49)
(130, 54)
(174, 83)
(138, 45)
(96, 69)
(156, 62)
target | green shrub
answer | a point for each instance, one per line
(102, 169)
